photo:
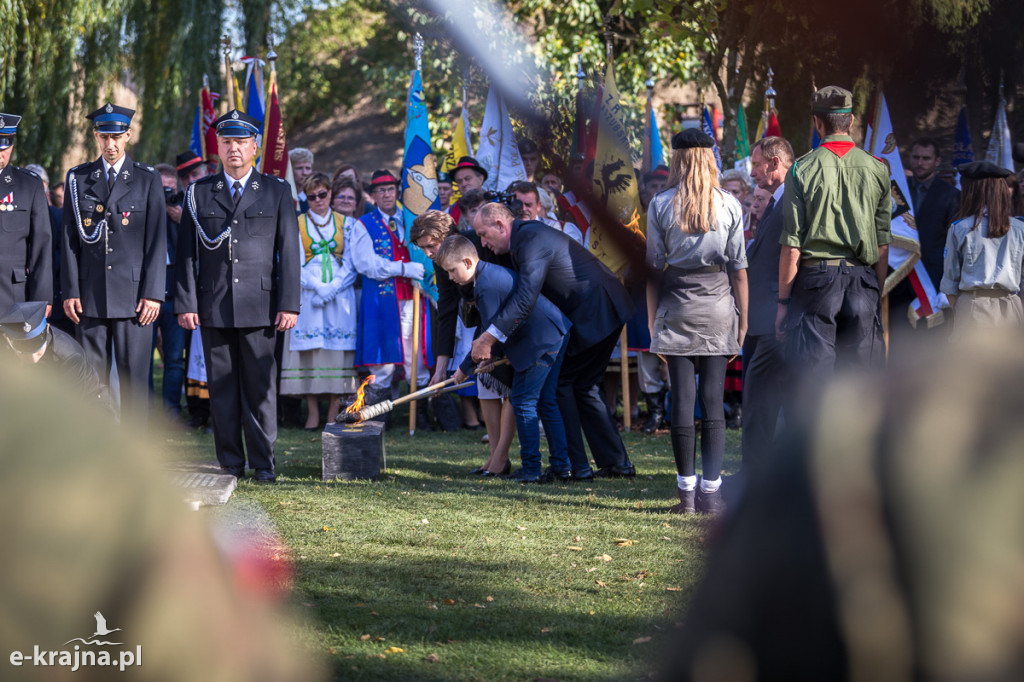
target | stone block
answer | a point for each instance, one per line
(353, 451)
(202, 482)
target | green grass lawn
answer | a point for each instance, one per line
(478, 579)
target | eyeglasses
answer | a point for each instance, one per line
(319, 196)
(345, 198)
(385, 189)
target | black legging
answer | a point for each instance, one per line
(682, 371)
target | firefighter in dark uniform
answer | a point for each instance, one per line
(238, 282)
(115, 255)
(26, 261)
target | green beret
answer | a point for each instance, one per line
(832, 99)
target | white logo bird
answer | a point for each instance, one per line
(101, 626)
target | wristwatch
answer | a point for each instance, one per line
(784, 301)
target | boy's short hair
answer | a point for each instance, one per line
(433, 223)
(454, 249)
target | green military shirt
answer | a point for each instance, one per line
(837, 203)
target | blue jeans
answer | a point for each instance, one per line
(174, 356)
(534, 392)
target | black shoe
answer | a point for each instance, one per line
(237, 472)
(616, 471)
(310, 428)
(265, 476)
(655, 411)
(550, 476)
(710, 503)
(478, 471)
(472, 427)
(520, 477)
(588, 476)
(492, 474)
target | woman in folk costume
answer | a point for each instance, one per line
(320, 350)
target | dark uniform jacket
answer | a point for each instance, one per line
(66, 357)
(111, 274)
(933, 217)
(550, 263)
(25, 260)
(253, 273)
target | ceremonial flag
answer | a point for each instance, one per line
(196, 143)
(1000, 151)
(419, 176)
(709, 130)
(579, 131)
(254, 102)
(461, 146)
(209, 115)
(498, 152)
(614, 180)
(773, 129)
(590, 141)
(905, 250)
(274, 156)
(657, 151)
(742, 142)
(963, 150)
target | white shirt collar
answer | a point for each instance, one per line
(244, 180)
(117, 166)
(777, 194)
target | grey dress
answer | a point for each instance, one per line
(696, 313)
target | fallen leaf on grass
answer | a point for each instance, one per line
(624, 542)
(489, 598)
(545, 630)
(328, 529)
(333, 650)
(424, 521)
(674, 589)
(449, 601)
(641, 640)
(603, 557)
(376, 656)
(480, 606)
(520, 527)
(335, 555)
(365, 638)
(374, 613)
(591, 570)
(397, 650)
(575, 549)
(431, 658)
(380, 639)
(601, 583)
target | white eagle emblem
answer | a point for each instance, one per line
(27, 327)
(234, 115)
(96, 174)
(255, 185)
(110, 108)
(220, 186)
(2, 124)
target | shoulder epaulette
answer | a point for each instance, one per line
(80, 166)
(145, 166)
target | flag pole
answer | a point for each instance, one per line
(272, 60)
(229, 77)
(417, 46)
(648, 164)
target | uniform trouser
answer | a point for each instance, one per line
(172, 337)
(384, 373)
(648, 367)
(128, 344)
(241, 373)
(834, 321)
(763, 366)
(579, 398)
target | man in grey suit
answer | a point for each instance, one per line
(115, 256)
(763, 360)
(238, 282)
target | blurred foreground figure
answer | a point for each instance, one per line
(886, 542)
(99, 549)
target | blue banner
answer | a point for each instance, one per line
(657, 152)
(709, 129)
(196, 144)
(963, 152)
(419, 176)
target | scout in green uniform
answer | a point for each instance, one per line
(836, 213)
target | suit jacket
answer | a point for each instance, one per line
(253, 274)
(541, 332)
(111, 274)
(763, 273)
(933, 217)
(26, 262)
(550, 263)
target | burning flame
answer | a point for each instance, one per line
(634, 223)
(360, 397)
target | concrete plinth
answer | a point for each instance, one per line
(354, 451)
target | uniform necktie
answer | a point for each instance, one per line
(111, 176)
(236, 192)
(771, 205)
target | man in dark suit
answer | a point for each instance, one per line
(238, 282)
(552, 264)
(115, 252)
(935, 203)
(172, 336)
(25, 258)
(763, 358)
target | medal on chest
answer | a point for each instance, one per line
(124, 217)
(7, 203)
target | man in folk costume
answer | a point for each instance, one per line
(115, 255)
(380, 253)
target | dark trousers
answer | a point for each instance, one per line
(172, 336)
(682, 376)
(128, 344)
(241, 373)
(579, 399)
(834, 320)
(763, 366)
(535, 392)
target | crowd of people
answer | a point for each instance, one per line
(250, 293)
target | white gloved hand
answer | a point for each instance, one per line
(317, 301)
(413, 271)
